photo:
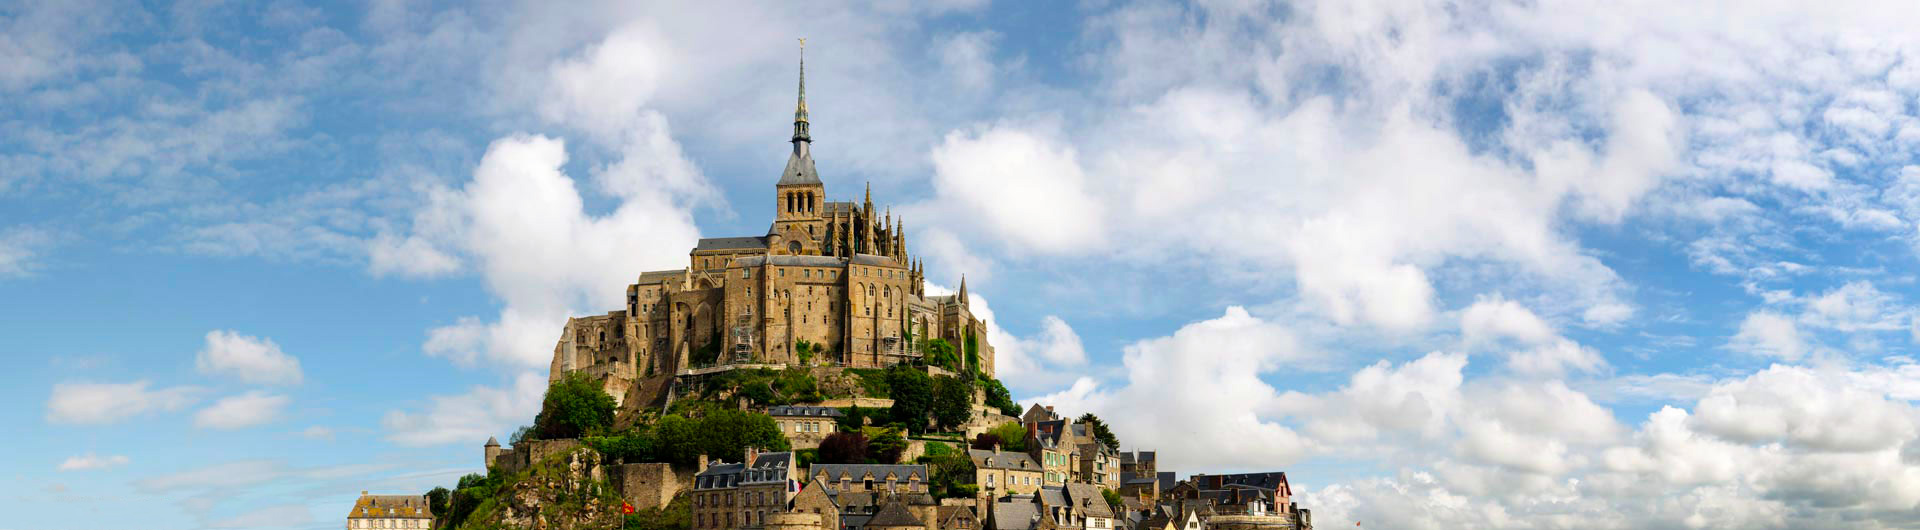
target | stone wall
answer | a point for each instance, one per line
(1252, 522)
(649, 485)
(523, 455)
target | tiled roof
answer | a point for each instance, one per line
(803, 410)
(894, 514)
(390, 507)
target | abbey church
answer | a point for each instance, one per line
(830, 284)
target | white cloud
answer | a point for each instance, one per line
(1028, 189)
(1197, 397)
(1493, 320)
(1852, 307)
(103, 403)
(240, 411)
(1805, 408)
(91, 461)
(471, 417)
(1769, 333)
(255, 360)
(526, 226)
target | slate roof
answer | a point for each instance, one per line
(803, 410)
(1049, 433)
(855, 472)
(1128, 478)
(838, 206)
(894, 514)
(1167, 480)
(1053, 496)
(945, 514)
(767, 468)
(731, 243)
(799, 171)
(1271, 480)
(1014, 514)
(986, 458)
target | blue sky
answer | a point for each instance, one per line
(1491, 264)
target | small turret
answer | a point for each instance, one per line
(492, 451)
(963, 290)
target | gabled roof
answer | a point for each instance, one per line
(894, 514)
(986, 458)
(857, 472)
(1087, 499)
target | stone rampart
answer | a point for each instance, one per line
(649, 484)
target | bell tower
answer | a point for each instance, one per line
(799, 226)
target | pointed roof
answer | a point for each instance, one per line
(894, 514)
(800, 171)
(492, 442)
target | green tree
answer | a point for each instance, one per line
(884, 446)
(912, 396)
(574, 407)
(803, 351)
(728, 433)
(853, 420)
(1100, 431)
(678, 439)
(437, 500)
(951, 468)
(1113, 499)
(998, 397)
(952, 402)
(845, 447)
(1013, 436)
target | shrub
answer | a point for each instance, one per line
(1013, 436)
(675, 516)
(986, 440)
(1100, 431)
(998, 397)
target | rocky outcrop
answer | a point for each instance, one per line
(565, 491)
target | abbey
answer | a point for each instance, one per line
(831, 283)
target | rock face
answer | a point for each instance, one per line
(562, 492)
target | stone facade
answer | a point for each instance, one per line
(648, 485)
(743, 495)
(832, 275)
(805, 426)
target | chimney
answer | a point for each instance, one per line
(701, 463)
(751, 453)
(996, 447)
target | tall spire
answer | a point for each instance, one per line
(800, 135)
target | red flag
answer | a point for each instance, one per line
(626, 508)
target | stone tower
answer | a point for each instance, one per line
(799, 228)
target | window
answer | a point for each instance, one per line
(783, 273)
(746, 273)
(806, 273)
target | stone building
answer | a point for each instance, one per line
(830, 283)
(1068, 451)
(390, 511)
(1004, 472)
(889, 478)
(743, 494)
(805, 426)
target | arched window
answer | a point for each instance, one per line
(793, 247)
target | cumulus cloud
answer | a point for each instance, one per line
(250, 359)
(1532, 346)
(468, 418)
(91, 461)
(240, 411)
(526, 226)
(1805, 408)
(1160, 403)
(104, 403)
(1028, 188)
